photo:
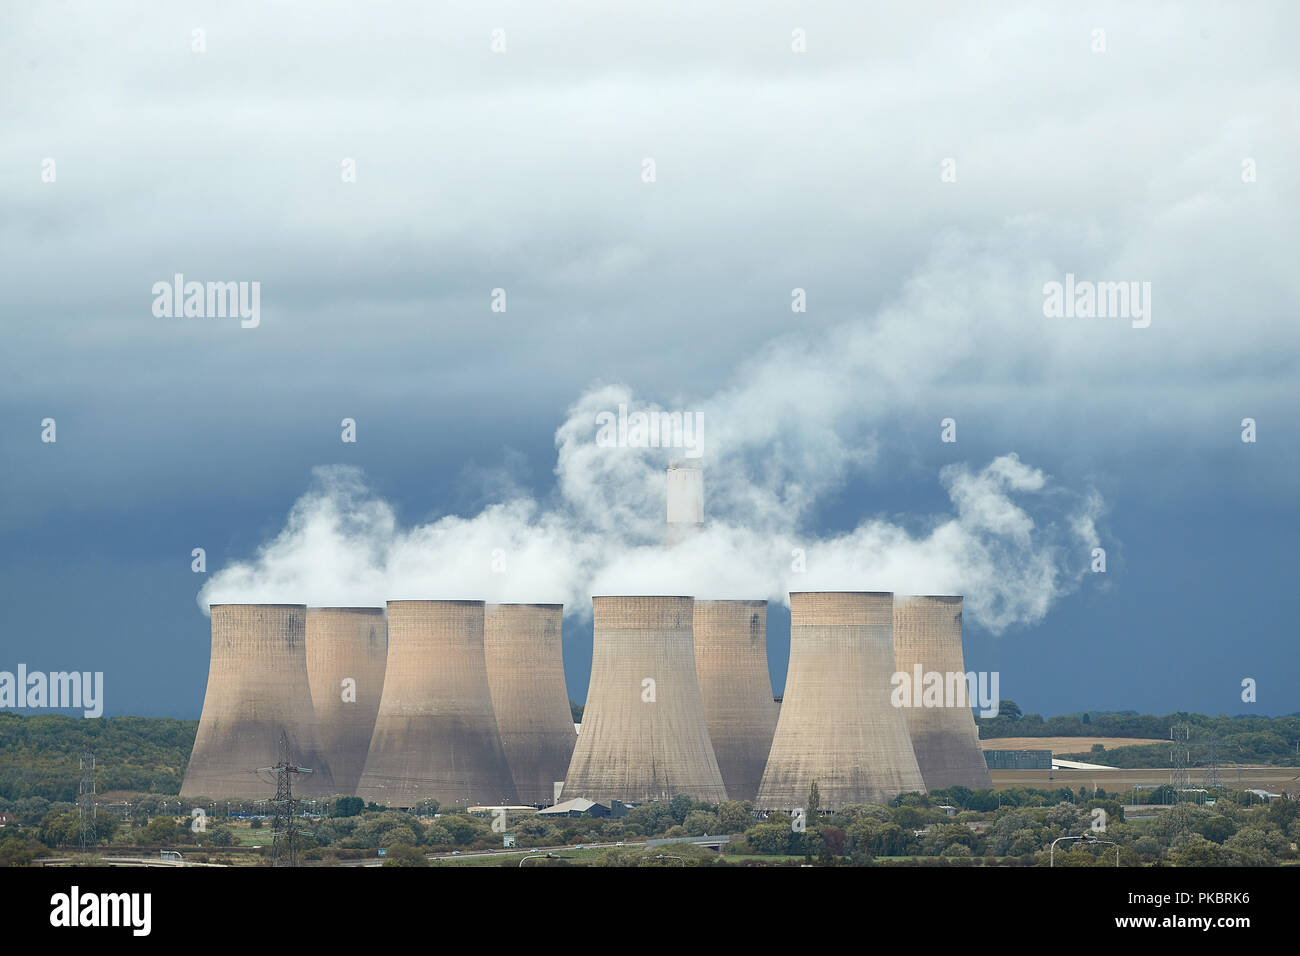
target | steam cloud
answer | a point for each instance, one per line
(802, 422)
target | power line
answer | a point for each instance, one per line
(86, 802)
(284, 825)
(1180, 757)
(1213, 772)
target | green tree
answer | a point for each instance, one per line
(735, 817)
(403, 854)
(465, 829)
(958, 796)
(911, 818)
(106, 826)
(1202, 853)
(770, 838)
(17, 849)
(220, 836)
(347, 807)
(437, 835)
(1283, 812)
(678, 807)
(814, 800)
(60, 829)
(701, 823)
(161, 831)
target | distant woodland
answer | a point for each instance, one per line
(38, 754)
(1233, 740)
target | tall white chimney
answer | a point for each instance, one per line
(685, 499)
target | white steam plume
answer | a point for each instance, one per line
(799, 425)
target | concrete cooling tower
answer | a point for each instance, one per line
(436, 734)
(525, 669)
(257, 688)
(731, 665)
(347, 651)
(837, 725)
(644, 736)
(927, 635)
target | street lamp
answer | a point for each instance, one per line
(1087, 838)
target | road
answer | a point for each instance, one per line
(504, 853)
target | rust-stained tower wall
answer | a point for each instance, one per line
(525, 669)
(927, 634)
(436, 734)
(257, 688)
(634, 747)
(731, 665)
(347, 651)
(837, 725)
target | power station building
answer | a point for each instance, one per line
(644, 735)
(837, 726)
(731, 665)
(436, 734)
(525, 670)
(927, 638)
(257, 689)
(347, 652)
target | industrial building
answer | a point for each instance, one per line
(731, 664)
(1017, 760)
(436, 734)
(927, 635)
(525, 670)
(581, 807)
(644, 736)
(837, 726)
(257, 689)
(347, 652)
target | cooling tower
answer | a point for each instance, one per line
(837, 726)
(525, 669)
(347, 650)
(436, 734)
(927, 635)
(685, 499)
(257, 688)
(643, 736)
(731, 665)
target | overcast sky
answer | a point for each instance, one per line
(920, 174)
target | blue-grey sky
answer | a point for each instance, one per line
(921, 175)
